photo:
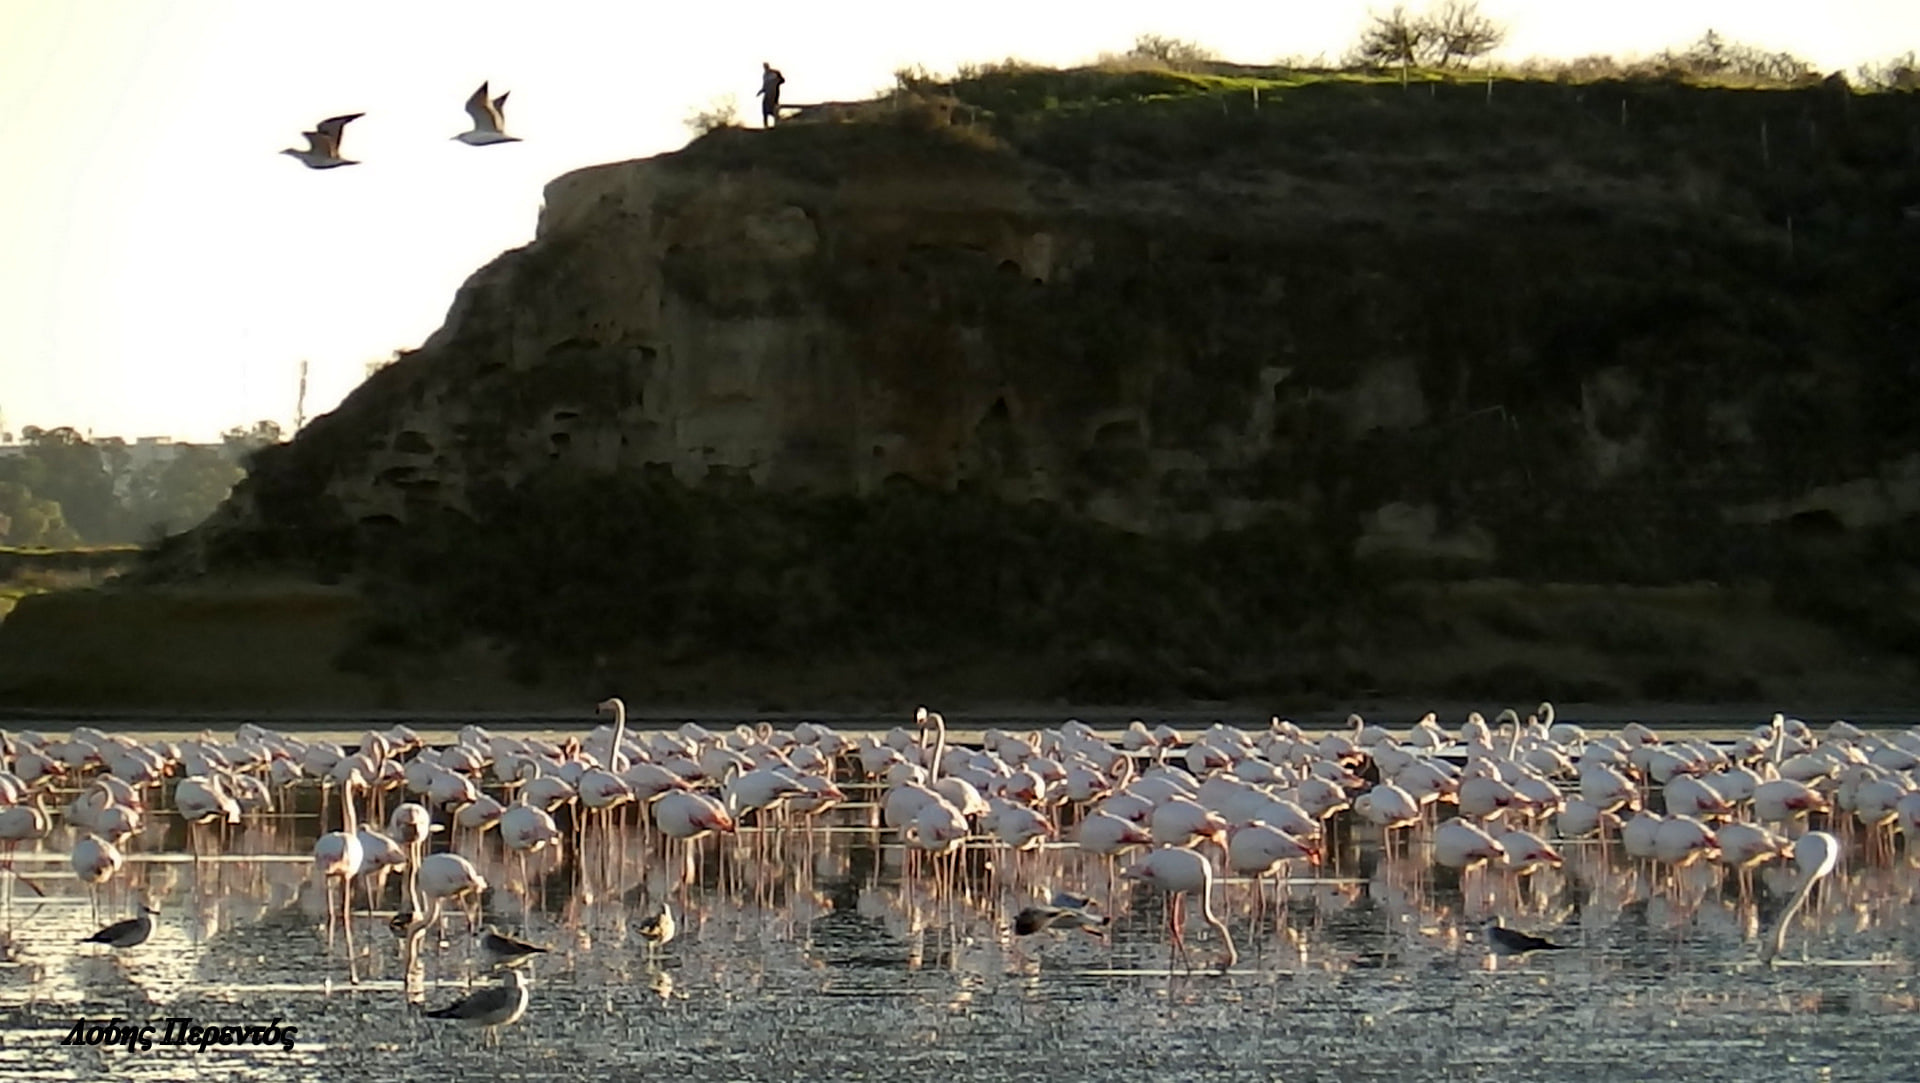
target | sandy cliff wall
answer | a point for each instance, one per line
(1377, 336)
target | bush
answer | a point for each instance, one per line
(1899, 73)
(1176, 54)
(1715, 58)
(722, 112)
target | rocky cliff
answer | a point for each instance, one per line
(1150, 385)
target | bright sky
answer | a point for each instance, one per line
(163, 271)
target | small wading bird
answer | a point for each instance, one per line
(130, 933)
(659, 928)
(1064, 910)
(502, 948)
(489, 120)
(491, 1008)
(1504, 941)
(323, 144)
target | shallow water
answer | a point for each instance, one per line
(809, 954)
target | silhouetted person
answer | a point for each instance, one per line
(770, 80)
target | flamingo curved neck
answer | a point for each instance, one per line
(619, 734)
(939, 745)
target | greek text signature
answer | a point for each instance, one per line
(179, 1031)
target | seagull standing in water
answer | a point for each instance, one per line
(658, 929)
(489, 120)
(491, 1008)
(323, 144)
(502, 948)
(130, 933)
(1504, 941)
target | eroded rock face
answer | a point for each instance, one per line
(831, 313)
(1200, 399)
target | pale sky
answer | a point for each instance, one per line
(163, 271)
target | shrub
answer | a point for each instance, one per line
(1714, 57)
(721, 112)
(1899, 73)
(1177, 54)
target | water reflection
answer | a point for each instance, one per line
(821, 947)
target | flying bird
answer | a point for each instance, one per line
(1504, 941)
(323, 144)
(489, 122)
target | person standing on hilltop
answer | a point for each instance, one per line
(770, 80)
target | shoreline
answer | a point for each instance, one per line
(1025, 714)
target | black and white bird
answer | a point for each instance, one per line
(502, 948)
(1064, 910)
(130, 933)
(659, 928)
(489, 120)
(323, 144)
(490, 1008)
(1504, 941)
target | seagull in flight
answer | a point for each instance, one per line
(323, 144)
(489, 121)
(1504, 941)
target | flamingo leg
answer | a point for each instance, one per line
(326, 887)
(346, 921)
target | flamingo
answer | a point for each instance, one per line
(1182, 821)
(339, 854)
(410, 825)
(1387, 806)
(1780, 800)
(1460, 845)
(1257, 850)
(24, 823)
(1179, 871)
(95, 860)
(687, 816)
(450, 876)
(1526, 851)
(1815, 853)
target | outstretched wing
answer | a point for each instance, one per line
(325, 138)
(485, 114)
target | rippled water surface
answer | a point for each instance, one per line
(806, 952)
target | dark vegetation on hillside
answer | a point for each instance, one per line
(1709, 238)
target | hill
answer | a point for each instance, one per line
(1137, 386)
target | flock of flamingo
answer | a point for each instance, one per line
(1478, 812)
